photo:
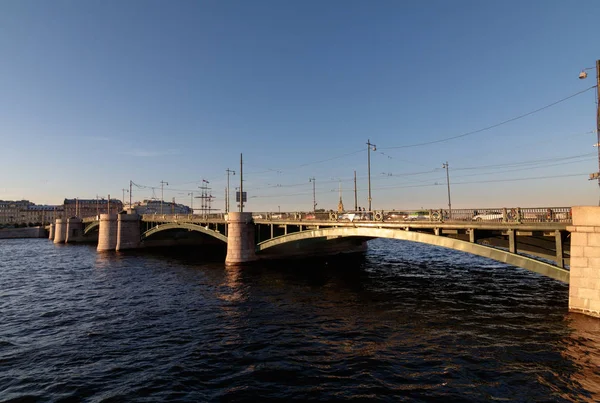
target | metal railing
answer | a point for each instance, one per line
(500, 214)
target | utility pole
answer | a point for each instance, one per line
(108, 205)
(241, 183)
(191, 201)
(446, 166)
(130, 183)
(125, 190)
(598, 116)
(229, 171)
(313, 180)
(355, 194)
(97, 208)
(206, 197)
(369, 145)
(582, 75)
(162, 183)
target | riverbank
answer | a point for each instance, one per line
(28, 232)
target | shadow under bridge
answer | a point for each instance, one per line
(366, 233)
(183, 227)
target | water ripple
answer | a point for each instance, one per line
(403, 322)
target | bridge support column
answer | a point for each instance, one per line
(240, 239)
(584, 284)
(74, 229)
(559, 239)
(128, 231)
(107, 233)
(472, 235)
(51, 231)
(512, 241)
(60, 231)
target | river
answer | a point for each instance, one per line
(401, 322)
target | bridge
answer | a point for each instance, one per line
(558, 242)
(534, 239)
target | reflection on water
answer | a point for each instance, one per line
(583, 350)
(401, 322)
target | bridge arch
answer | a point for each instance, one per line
(91, 227)
(189, 226)
(500, 255)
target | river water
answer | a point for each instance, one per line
(401, 322)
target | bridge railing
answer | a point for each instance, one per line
(182, 217)
(500, 214)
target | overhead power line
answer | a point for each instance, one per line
(532, 162)
(280, 170)
(492, 126)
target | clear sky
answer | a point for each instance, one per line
(94, 94)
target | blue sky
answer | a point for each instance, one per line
(94, 94)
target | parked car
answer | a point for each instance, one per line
(418, 215)
(489, 216)
(395, 216)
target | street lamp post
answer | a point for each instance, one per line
(313, 180)
(162, 194)
(582, 75)
(446, 166)
(191, 201)
(229, 171)
(369, 146)
(125, 190)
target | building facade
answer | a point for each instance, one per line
(20, 212)
(91, 207)
(158, 207)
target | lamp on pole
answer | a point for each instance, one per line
(229, 171)
(162, 183)
(582, 75)
(313, 180)
(446, 166)
(374, 147)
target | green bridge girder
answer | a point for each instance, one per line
(91, 226)
(500, 255)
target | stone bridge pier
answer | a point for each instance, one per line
(584, 285)
(107, 232)
(240, 239)
(128, 230)
(60, 230)
(74, 230)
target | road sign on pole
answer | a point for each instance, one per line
(244, 197)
